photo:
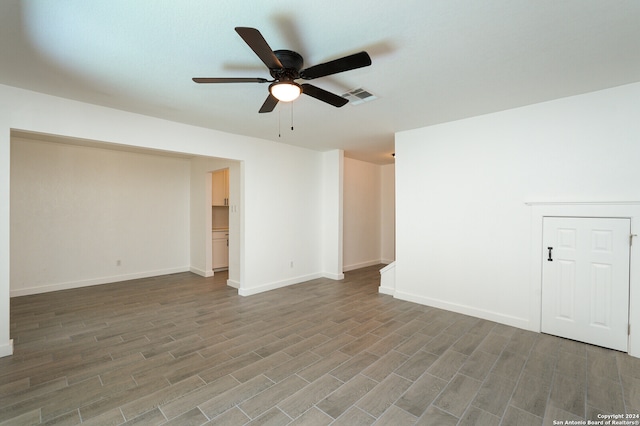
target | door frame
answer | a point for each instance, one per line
(236, 220)
(610, 209)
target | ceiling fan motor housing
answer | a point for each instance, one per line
(291, 65)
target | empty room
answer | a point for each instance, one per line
(340, 213)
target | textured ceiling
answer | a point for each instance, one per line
(433, 61)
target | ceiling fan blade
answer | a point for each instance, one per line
(269, 104)
(323, 95)
(229, 80)
(351, 62)
(258, 44)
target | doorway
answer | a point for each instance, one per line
(220, 203)
(585, 279)
(219, 220)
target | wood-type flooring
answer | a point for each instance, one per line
(186, 350)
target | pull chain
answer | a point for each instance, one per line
(280, 120)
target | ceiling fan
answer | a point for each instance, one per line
(285, 66)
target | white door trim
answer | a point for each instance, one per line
(622, 209)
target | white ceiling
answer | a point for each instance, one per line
(433, 60)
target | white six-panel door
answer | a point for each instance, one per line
(585, 280)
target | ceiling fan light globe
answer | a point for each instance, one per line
(285, 91)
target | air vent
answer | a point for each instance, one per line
(359, 96)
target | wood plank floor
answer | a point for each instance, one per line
(187, 350)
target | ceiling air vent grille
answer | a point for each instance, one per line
(359, 96)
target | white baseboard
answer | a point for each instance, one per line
(233, 283)
(360, 265)
(201, 272)
(385, 290)
(95, 281)
(277, 284)
(523, 323)
(388, 279)
(336, 277)
(6, 349)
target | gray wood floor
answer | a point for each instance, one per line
(187, 350)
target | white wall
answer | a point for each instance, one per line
(388, 213)
(369, 214)
(463, 229)
(362, 214)
(6, 344)
(333, 213)
(236, 224)
(273, 177)
(283, 216)
(76, 211)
